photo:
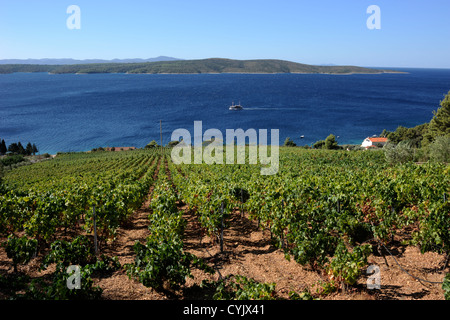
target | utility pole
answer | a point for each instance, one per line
(160, 132)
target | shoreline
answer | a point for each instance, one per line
(252, 73)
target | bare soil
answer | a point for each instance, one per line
(248, 251)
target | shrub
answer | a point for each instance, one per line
(242, 288)
(446, 286)
(346, 266)
(78, 253)
(173, 143)
(151, 144)
(440, 149)
(289, 142)
(319, 144)
(162, 263)
(20, 250)
(11, 160)
(400, 153)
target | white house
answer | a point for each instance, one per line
(374, 142)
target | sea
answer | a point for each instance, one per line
(79, 112)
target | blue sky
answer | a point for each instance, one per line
(414, 33)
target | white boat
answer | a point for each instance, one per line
(236, 107)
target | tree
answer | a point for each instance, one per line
(3, 148)
(331, 143)
(151, 144)
(29, 149)
(413, 135)
(289, 142)
(172, 144)
(319, 144)
(440, 124)
(440, 149)
(35, 149)
(13, 148)
(400, 153)
(21, 149)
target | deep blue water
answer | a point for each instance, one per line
(79, 112)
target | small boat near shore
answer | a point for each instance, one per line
(235, 107)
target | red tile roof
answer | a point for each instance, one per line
(378, 139)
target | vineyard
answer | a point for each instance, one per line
(138, 226)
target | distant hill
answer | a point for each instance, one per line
(86, 61)
(213, 65)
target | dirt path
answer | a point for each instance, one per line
(248, 251)
(119, 286)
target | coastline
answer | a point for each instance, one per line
(202, 66)
(252, 73)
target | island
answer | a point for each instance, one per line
(212, 65)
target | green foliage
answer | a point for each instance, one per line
(325, 288)
(57, 289)
(29, 149)
(151, 144)
(289, 142)
(18, 149)
(304, 295)
(35, 149)
(172, 144)
(62, 193)
(424, 134)
(440, 124)
(214, 65)
(319, 200)
(319, 144)
(20, 250)
(331, 143)
(400, 153)
(345, 267)
(413, 136)
(236, 287)
(3, 148)
(440, 149)
(77, 252)
(446, 286)
(162, 263)
(240, 194)
(12, 159)
(13, 282)
(11, 68)
(433, 218)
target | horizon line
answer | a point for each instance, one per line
(183, 59)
